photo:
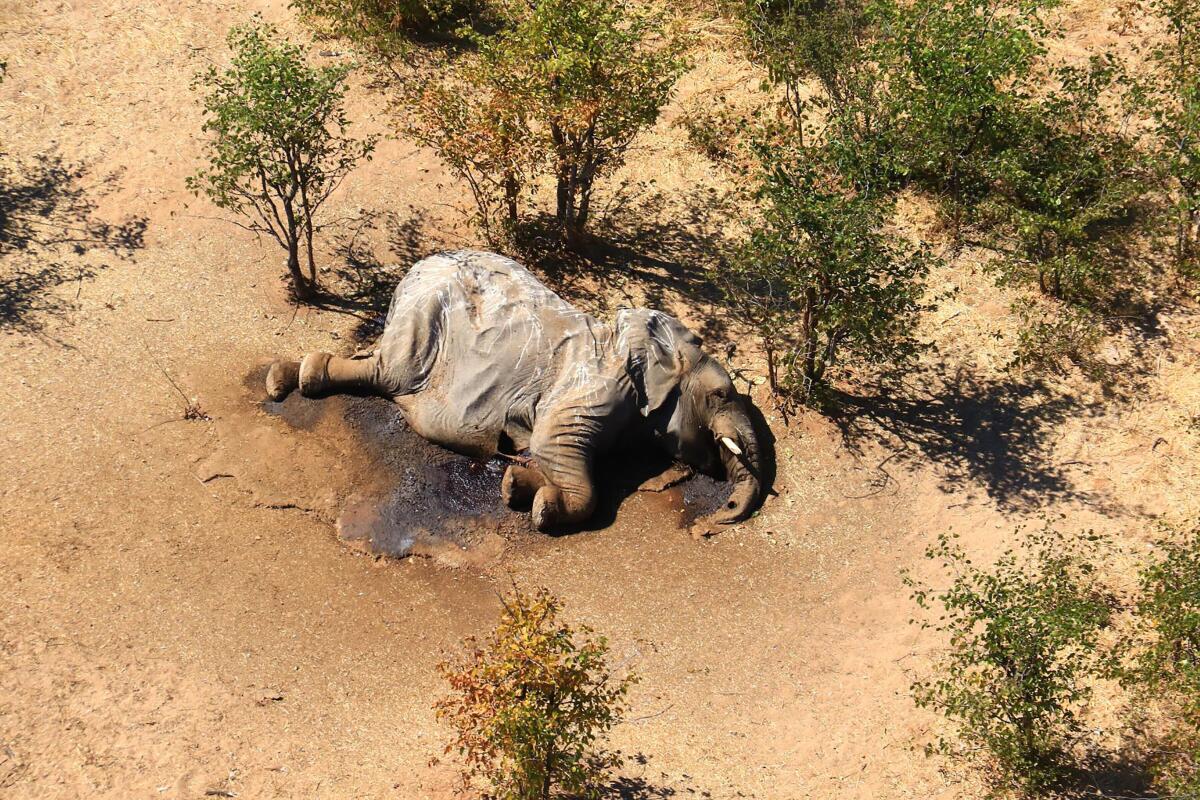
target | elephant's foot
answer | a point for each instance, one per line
(553, 508)
(282, 379)
(673, 476)
(519, 486)
(314, 374)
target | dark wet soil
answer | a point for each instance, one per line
(425, 499)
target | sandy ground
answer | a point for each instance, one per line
(178, 618)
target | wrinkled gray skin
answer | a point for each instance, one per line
(482, 358)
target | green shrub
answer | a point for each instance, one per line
(958, 74)
(531, 705)
(1165, 663)
(1022, 640)
(278, 147)
(831, 42)
(818, 278)
(1067, 193)
(799, 40)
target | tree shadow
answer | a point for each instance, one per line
(363, 285)
(645, 250)
(636, 787)
(1110, 778)
(998, 433)
(46, 218)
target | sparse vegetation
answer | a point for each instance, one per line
(1163, 665)
(712, 131)
(1021, 640)
(278, 146)
(385, 29)
(531, 705)
(1171, 99)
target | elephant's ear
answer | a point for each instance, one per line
(661, 351)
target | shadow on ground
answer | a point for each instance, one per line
(628, 787)
(47, 224)
(994, 433)
(645, 251)
(1111, 778)
(362, 284)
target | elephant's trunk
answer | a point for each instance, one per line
(742, 456)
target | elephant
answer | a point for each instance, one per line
(484, 359)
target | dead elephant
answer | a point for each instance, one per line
(482, 358)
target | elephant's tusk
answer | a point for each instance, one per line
(733, 448)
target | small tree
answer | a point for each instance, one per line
(819, 279)
(278, 148)
(592, 74)
(1165, 660)
(571, 82)
(482, 138)
(1022, 638)
(532, 704)
(1068, 190)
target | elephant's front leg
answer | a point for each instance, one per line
(564, 452)
(520, 485)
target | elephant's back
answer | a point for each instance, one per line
(479, 340)
(463, 276)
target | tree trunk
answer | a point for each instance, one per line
(809, 329)
(511, 192)
(312, 261)
(300, 285)
(561, 173)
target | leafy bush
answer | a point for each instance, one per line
(575, 80)
(532, 704)
(818, 279)
(712, 131)
(833, 42)
(1165, 666)
(482, 138)
(797, 40)
(1022, 638)
(1171, 96)
(278, 147)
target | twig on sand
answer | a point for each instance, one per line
(652, 716)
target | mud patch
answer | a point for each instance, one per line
(701, 496)
(417, 498)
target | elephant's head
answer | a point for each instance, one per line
(695, 410)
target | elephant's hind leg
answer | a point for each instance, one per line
(321, 374)
(282, 379)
